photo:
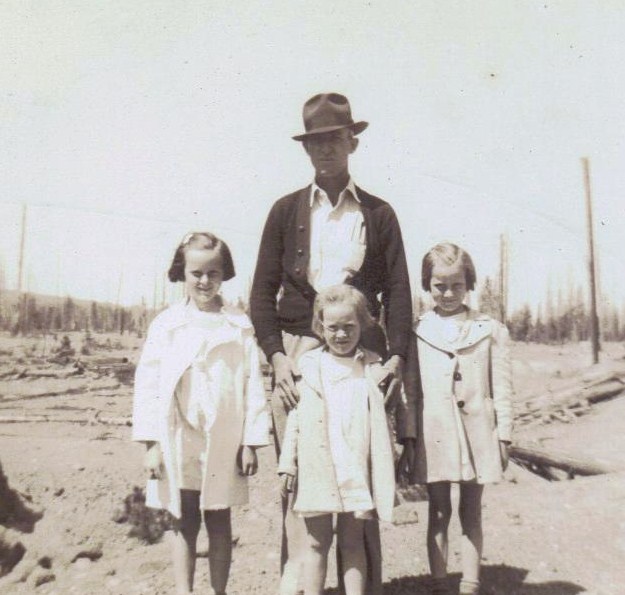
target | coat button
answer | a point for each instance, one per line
(451, 355)
(298, 271)
(457, 376)
(300, 251)
(301, 228)
(461, 404)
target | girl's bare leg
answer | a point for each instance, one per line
(439, 514)
(470, 513)
(319, 540)
(184, 541)
(219, 530)
(351, 541)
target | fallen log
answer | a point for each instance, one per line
(571, 398)
(62, 374)
(106, 361)
(108, 420)
(86, 388)
(544, 460)
(41, 418)
(27, 419)
(605, 391)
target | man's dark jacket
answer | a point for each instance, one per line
(283, 260)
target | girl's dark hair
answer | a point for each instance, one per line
(447, 254)
(202, 240)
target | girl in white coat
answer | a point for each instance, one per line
(337, 441)
(457, 414)
(200, 408)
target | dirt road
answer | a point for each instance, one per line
(541, 538)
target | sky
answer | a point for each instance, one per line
(123, 125)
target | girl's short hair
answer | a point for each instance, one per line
(202, 240)
(448, 254)
(341, 294)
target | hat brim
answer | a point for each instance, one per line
(356, 127)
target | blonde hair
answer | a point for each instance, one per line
(448, 254)
(341, 294)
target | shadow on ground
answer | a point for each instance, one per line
(496, 580)
(15, 513)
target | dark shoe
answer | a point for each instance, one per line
(439, 586)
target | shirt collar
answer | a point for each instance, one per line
(351, 187)
(359, 354)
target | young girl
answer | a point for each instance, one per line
(199, 407)
(458, 394)
(337, 443)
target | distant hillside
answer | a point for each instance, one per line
(9, 298)
(36, 313)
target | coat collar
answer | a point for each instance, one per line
(185, 346)
(310, 365)
(477, 327)
(181, 314)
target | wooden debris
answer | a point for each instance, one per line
(566, 404)
(545, 461)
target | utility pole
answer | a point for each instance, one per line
(594, 319)
(503, 278)
(120, 310)
(22, 323)
(20, 268)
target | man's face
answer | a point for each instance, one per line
(329, 152)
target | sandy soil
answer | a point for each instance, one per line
(542, 538)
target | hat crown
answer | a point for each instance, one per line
(327, 112)
(327, 109)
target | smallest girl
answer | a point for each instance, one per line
(459, 392)
(199, 407)
(337, 442)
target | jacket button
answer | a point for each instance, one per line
(301, 228)
(298, 271)
(461, 404)
(300, 251)
(457, 376)
(451, 355)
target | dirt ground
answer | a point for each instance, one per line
(72, 472)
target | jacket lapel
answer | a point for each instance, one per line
(299, 258)
(185, 346)
(476, 328)
(479, 328)
(428, 330)
(371, 237)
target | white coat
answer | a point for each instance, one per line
(458, 401)
(242, 419)
(306, 447)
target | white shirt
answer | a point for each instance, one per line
(337, 237)
(452, 328)
(345, 392)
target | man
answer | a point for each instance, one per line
(327, 233)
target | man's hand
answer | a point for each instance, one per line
(286, 485)
(249, 461)
(284, 388)
(407, 461)
(392, 383)
(504, 452)
(153, 460)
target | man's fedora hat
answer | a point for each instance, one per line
(328, 112)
